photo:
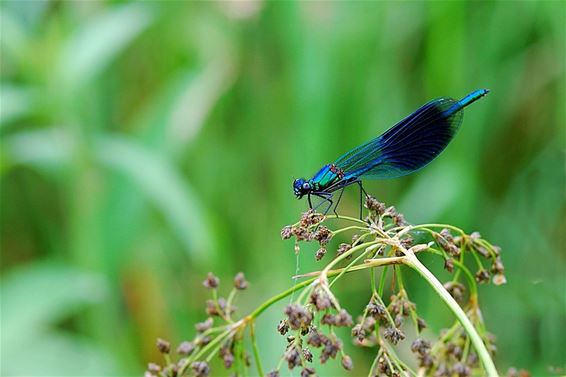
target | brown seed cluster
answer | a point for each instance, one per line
(310, 324)
(309, 229)
(453, 246)
(218, 309)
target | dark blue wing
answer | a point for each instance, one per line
(409, 145)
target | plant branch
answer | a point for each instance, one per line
(482, 351)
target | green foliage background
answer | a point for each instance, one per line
(146, 143)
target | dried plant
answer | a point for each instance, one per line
(382, 241)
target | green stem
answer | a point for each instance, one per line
(347, 218)
(278, 297)
(452, 227)
(482, 351)
(256, 350)
(336, 260)
(349, 266)
(382, 281)
(347, 229)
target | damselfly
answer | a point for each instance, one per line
(404, 148)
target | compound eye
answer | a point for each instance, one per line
(306, 186)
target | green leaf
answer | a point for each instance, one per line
(164, 186)
(153, 174)
(91, 49)
(39, 295)
(56, 354)
(16, 101)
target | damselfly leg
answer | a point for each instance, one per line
(362, 192)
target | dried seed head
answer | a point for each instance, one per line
(200, 368)
(398, 320)
(407, 242)
(328, 319)
(211, 281)
(447, 235)
(283, 327)
(286, 232)
(308, 371)
(163, 346)
(473, 359)
(153, 368)
(426, 361)
(369, 324)
(375, 309)
(320, 253)
(298, 316)
(499, 279)
(223, 306)
(420, 346)
(358, 332)
(315, 338)
(497, 250)
(421, 324)
(205, 325)
(449, 265)
(311, 218)
(240, 281)
(323, 235)
(307, 354)
(497, 266)
(330, 350)
(461, 370)
(453, 250)
(383, 366)
(443, 371)
(456, 290)
(394, 335)
(226, 354)
(211, 308)
(482, 276)
(374, 205)
(343, 248)
(185, 348)
(343, 319)
(293, 358)
(347, 362)
(320, 299)
(454, 350)
(301, 233)
(446, 242)
(201, 340)
(171, 370)
(273, 373)
(399, 220)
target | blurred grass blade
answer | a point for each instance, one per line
(57, 354)
(196, 100)
(48, 148)
(153, 174)
(40, 295)
(444, 182)
(97, 43)
(164, 186)
(16, 101)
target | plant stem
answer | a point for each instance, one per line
(278, 297)
(256, 350)
(412, 261)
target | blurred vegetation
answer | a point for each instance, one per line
(146, 143)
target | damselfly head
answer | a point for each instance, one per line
(301, 187)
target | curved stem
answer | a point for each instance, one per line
(412, 261)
